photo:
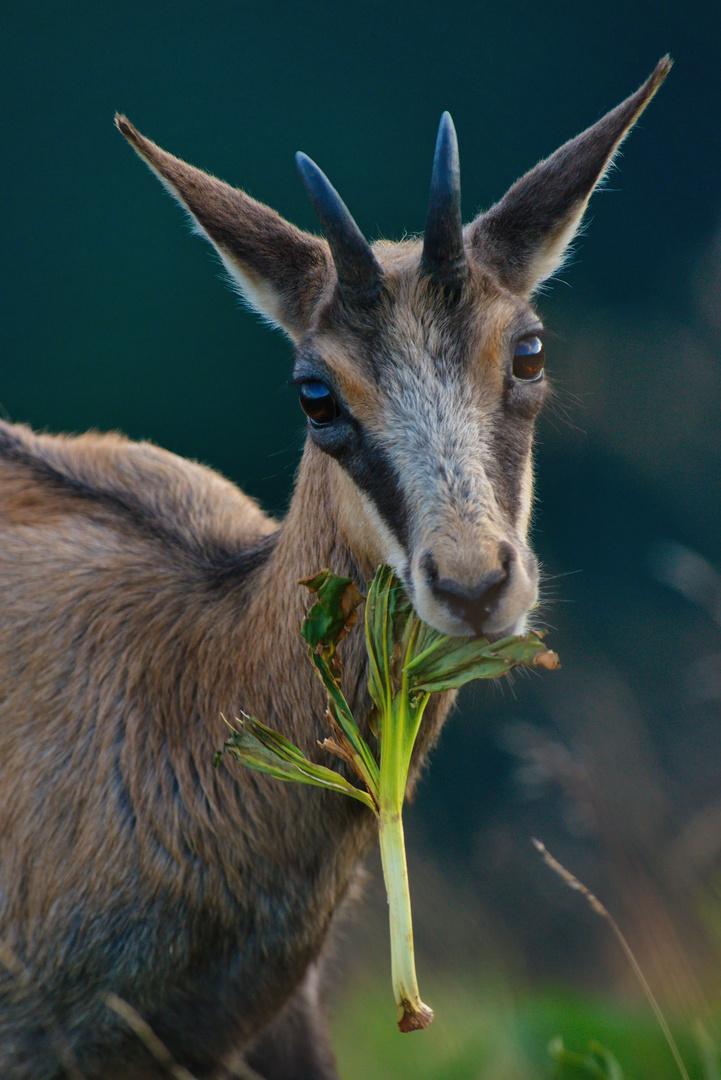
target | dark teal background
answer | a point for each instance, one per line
(114, 317)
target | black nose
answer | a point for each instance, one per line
(474, 604)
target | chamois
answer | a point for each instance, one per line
(144, 595)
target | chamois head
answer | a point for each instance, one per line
(419, 364)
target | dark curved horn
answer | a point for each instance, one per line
(444, 256)
(359, 274)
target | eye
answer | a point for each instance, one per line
(318, 403)
(528, 359)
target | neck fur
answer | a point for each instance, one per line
(285, 689)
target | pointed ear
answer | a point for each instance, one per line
(279, 270)
(524, 237)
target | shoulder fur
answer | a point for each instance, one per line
(131, 486)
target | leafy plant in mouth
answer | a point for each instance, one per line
(407, 662)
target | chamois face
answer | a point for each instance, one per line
(414, 396)
(419, 364)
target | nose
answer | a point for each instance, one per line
(474, 604)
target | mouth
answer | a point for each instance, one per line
(490, 625)
(515, 629)
(454, 628)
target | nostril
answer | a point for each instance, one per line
(429, 568)
(474, 604)
(506, 556)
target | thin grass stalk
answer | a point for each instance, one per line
(573, 883)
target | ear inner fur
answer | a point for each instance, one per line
(525, 236)
(280, 270)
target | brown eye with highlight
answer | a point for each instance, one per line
(528, 359)
(318, 403)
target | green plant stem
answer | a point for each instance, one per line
(400, 726)
(413, 1014)
(400, 685)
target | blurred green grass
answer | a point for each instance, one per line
(478, 1034)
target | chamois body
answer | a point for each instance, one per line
(142, 596)
(198, 895)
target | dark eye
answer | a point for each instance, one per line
(318, 403)
(528, 359)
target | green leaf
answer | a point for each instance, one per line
(407, 661)
(260, 748)
(449, 663)
(597, 1064)
(379, 638)
(612, 1067)
(334, 612)
(362, 757)
(328, 621)
(389, 618)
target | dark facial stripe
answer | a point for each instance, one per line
(511, 447)
(372, 471)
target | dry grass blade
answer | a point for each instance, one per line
(66, 1056)
(573, 883)
(237, 1070)
(147, 1036)
(708, 1052)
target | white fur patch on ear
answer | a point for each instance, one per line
(525, 236)
(550, 258)
(254, 291)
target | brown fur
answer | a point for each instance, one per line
(144, 595)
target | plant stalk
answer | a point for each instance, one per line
(400, 726)
(407, 663)
(413, 1014)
